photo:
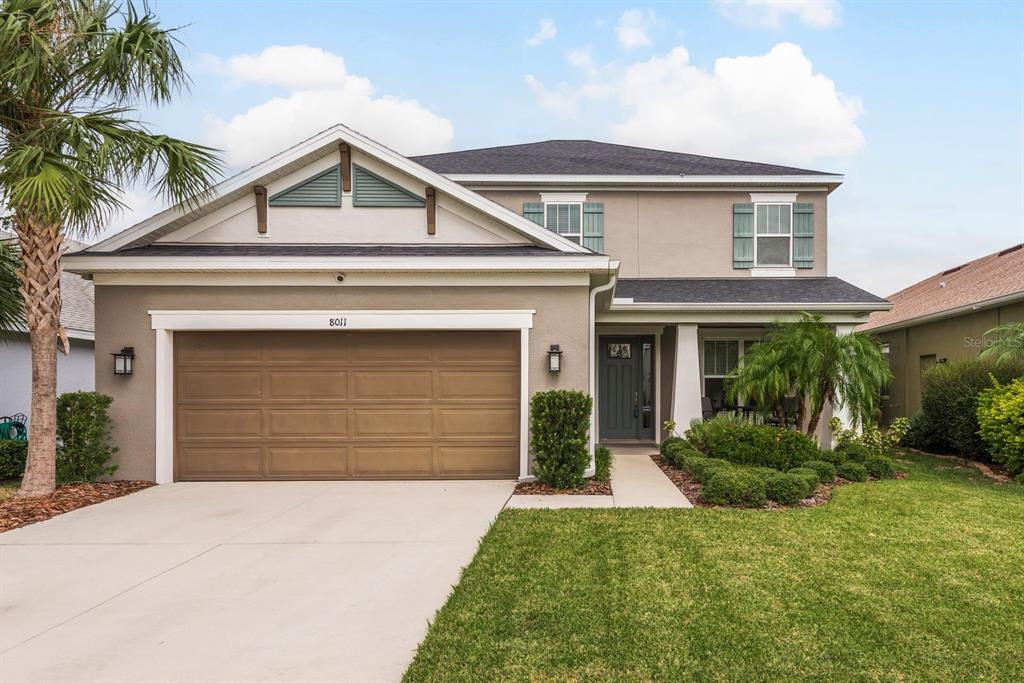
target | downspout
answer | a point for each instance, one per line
(613, 269)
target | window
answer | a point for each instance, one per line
(773, 234)
(566, 219)
(721, 356)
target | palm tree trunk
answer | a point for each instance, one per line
(41, 247)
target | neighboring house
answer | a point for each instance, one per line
(945, 318)
(342, 311)
(75, 371)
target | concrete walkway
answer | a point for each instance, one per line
(636, 482)
(267, 581)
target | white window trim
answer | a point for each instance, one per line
(165, 323)
(563, 197)
(757, 236)
(567, 235)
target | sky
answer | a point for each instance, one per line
(919, 104)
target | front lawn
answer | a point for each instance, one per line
(911, 579)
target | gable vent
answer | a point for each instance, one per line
(372, 190)
(323, 189)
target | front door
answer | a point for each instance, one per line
(626, 389)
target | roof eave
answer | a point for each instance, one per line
(948, 313)
(487, 179)
(867, 306)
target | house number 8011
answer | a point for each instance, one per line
(339, 322)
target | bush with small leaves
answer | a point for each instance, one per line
(787, 489)
(669, 442)
(734, 486)
(83, 435)
(602, 464)
(807, 474)
(856, 452)
(559, 427)
(703, 468)
(837, 458)
(12, 458)
(826, 470)
(678, 451)
(880, 467)
(852, 471)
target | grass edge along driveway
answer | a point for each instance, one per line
(910, 579)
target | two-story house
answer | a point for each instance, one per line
(341, 311)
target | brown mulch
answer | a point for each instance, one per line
(18, 512)
(591, 488)
(993, 472)
(691, 488)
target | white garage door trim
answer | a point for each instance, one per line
(165, 323)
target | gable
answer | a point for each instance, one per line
(371, 189)
(323, 189)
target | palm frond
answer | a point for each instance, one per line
(1005, 344)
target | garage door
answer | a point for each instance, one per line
(346, 405)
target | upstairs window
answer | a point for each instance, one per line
(773, 235)
(566, 219)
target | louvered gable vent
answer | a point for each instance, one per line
(323, 189)
(372, 190)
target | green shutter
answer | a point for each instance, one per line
(803, 235)
(742, 235)
(323, 189)
(534, 211)
(369, 189)
(593, 227)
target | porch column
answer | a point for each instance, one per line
(843, 413)
(686, 389)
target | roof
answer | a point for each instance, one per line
(353, 250)
(747, 290)
(587, 157)
(987, 280)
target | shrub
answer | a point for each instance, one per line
(836, 458)
(875, 439)
(677, 451)
(852, 471)
(880, 467)
(83, 436)
(856, 452)
(948, 422)
(734, 486)
(559, 422)
(703, 468)
(807, 474)
(744, 443)
(1001, 423)
(787, 489)
(12, 459)
(602, 464)
(669, 442)
(826, 470)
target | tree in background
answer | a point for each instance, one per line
(72, 73)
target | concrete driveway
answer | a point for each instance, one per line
(268, 581)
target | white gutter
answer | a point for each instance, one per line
(948, 313)
(614, 268)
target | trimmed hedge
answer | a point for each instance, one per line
(807, 474)
(837, 458)
(856, 452)
(12, 458)
(83, 437)
(826, 470)
(735, 486)
(602, 464)
(787, 489)
(852, 471)
(880, 467)
(559, 425)
(744, 443)
(669, 442)
(677, 451)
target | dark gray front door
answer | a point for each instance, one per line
(626, 389)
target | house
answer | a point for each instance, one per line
(945, 317)
(75, 370)
(342, 311)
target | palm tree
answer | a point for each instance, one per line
(1007, 345)
(71, 74)
(810, 360)
(11, 317)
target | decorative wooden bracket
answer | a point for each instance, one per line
(431, 211)
(261, 208)
(346, 166)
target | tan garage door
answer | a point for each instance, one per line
(346, 405)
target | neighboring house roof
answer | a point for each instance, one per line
(353, 250)
(791, 292)
(587, 157)
(987, 281)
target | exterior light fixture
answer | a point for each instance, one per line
(554, 359)
(123, 360)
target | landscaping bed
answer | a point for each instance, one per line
(592, 487)
(19, 512)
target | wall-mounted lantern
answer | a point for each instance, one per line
(123, 360)
(555, 359)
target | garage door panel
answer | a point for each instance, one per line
(458, 461)
(493, 384)
(309, 423)
(216, 461)
(219, 423)
(308, 386)
(197, 385)
(392, 384)
(290, 348)
(311, 461)
(499, 423)
(219, 348)
(492, 348)
(393, 461)
(393, 423)
(406, 348)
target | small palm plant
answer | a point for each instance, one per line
(71, 74)
(1006, 345)
(11, 317)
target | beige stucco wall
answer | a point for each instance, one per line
(122, 320)
(676, 233)
(954, 339)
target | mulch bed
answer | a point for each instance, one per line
(591, 488)
(18, 512)
(691, 488)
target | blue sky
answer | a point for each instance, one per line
(921, 105)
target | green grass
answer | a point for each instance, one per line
(913, 579)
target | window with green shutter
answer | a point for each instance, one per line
(534, 211)
(803, 235)
(593, 226)
(581, 222)
(742, 235)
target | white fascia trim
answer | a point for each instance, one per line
(773, 197)
(563, 197)
(84, 263)
(739, 306)
(948, 313)
(390, 157)
(718, 318)
(342, 320)
(528, 179)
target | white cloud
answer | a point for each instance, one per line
(545, 31)
(771, 107)
(322, 93)
(771, 13)
(633, 27)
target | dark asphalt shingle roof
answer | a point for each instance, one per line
(751, 290)
(587, 157)
(353, 250)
